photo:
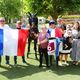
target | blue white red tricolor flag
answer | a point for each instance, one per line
(13, 42)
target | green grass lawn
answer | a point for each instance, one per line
(31, 71)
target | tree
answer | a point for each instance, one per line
(53, 7)
(10, 8)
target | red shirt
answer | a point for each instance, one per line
(58, 32)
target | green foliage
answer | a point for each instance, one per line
(71, 16)
(53, 7)
(34, 6)
(16, 8)
(10, 8)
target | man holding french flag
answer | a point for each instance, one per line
(3, 26)
(12, 41)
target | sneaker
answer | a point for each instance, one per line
(60, 64)
(66, 64)
(76, 63)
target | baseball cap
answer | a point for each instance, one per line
(52, 22)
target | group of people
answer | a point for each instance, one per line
(3, 25)
(68, 35)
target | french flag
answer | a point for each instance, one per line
(13, 42)
(56, 33)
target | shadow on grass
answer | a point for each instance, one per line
(20, 71)
(64, 70)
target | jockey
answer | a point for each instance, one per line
(54, 32)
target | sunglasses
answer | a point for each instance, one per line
(2, 21)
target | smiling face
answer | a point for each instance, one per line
(52, 26)
(44, 29)
(2, 21)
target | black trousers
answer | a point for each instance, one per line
(50, 59)
(43, 51)
(15, 59)
(6, 58)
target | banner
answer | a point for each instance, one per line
(51, 46)
(13, 42)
